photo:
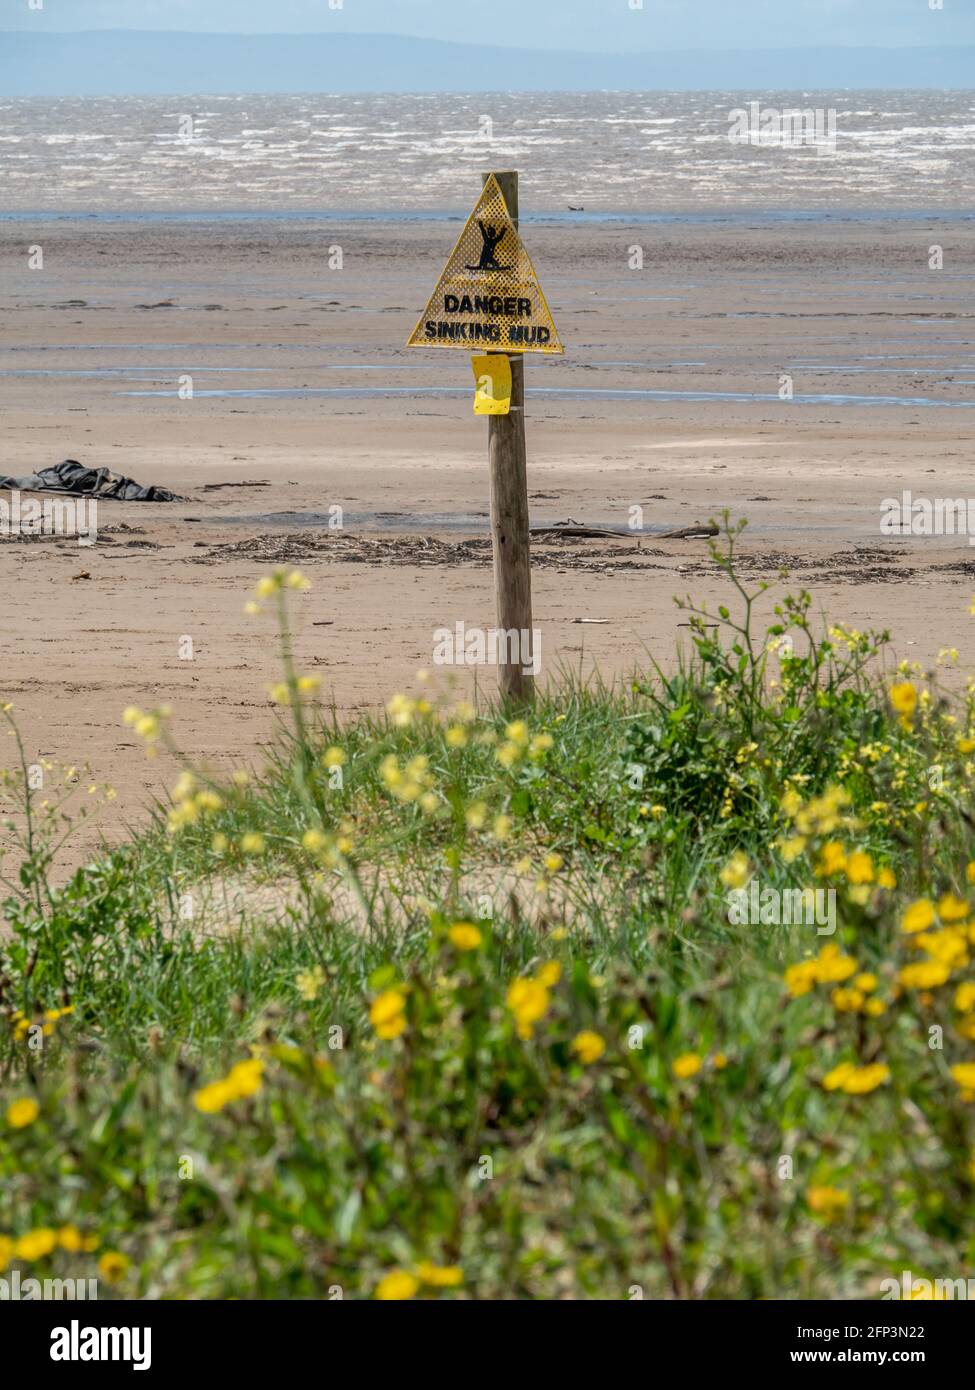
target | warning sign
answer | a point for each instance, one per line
(488, 296)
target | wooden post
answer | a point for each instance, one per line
(509, 512)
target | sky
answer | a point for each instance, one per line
(609, 25)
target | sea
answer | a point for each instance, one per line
(593, 154)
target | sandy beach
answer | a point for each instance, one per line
(304, 399)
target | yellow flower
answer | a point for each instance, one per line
(964, 1074)
(252, 843)
(397, 1286)
(70, 1239)
(36, 1244)
(476, 815)
(792, 848)
(549, 974)
(829, 1202)
(856, 1081)
(965, 997)
(926, 974)
(801, 977)
(553, 862)
(313, 841)
(309, 983)
(832, 859)
(22, 1113)
(847, 1001)
(267, 586)
(246, 1078)
(507, 754)
(334, 757)
(502, 827)
(687, 1065)
(388, 1014)
(296, 580)
(859, 867)
(6, 1252)
(719, 1061)
(517, 733)
(970, 871)
(439, 1276)
(309, 684)
(951, 908)
(465, 936)
(832, 966)
(886, 878)
(209, 1100)
(528, 1001)
(903, 697)
(588, 1047)
(737, 871)
(918, 917)
(280, 693)
(456, 736)
(112, 1265)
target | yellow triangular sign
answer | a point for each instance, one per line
(488, 298)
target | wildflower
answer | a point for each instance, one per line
(507, 754)
(401, 710)
(588, 1047)
(687, 1065)
(6, 1252)
(309, 983)
(719, 1061)
(252, 843)
(308, 685)
(112, 1265)
(476, 815)
(334, 757)
(22, 1113)
(517, 733)
(280, 693)
(951, 908)
(539, 746)
(886, 878)
(553, 862)
(847, 1000)
(397, 1286)
(219, 844)
(926, 974)
(737, 871)
(859, 868)
(388, 1014)
(268, 586)
(70, 1239)
(549, 974)
(800, 978)
(465, 936)
(36, 1244)
(856, 1081)
(528, 1000)
(313, 841)
(965, 997)
(865, 982)
(829, 1202)
(903, 697)
(296, 580)
(456, 736)
(918, 917)
(832, 966)
(832, 859)
(791, 849)
(502, 827)
(964, 1074)
(439, 1276)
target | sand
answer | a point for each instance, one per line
(847, 309)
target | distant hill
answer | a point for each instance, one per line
(114, 62)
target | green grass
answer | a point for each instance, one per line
(701, 1145)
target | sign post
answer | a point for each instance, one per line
(510, 539)
(488, 300)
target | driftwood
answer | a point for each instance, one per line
(578, 528)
